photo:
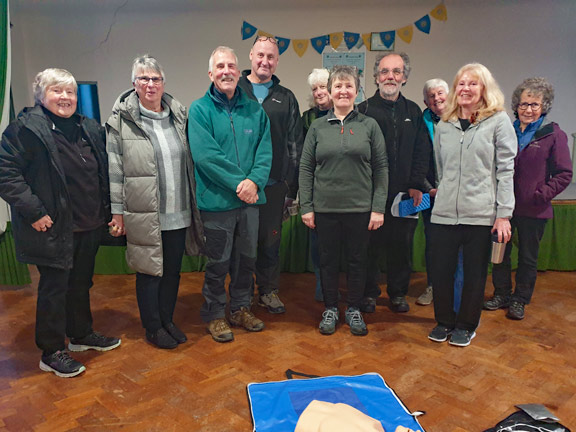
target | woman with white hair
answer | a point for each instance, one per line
(474, 148)
(54, 175)
(543, 169)
(153, 195)
(321, 104)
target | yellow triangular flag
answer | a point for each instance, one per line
(440, 12)
(336, 39)
(367, 37)
(405, 33)
(264, 34)
(300, 46)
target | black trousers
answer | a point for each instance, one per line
(530, 232)
(63, 306)
(157, 295)
(347, 231)
(395, 240)
(269, 237)
(446, 241)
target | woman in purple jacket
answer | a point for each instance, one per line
(542, 170)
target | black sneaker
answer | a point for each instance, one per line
(368, 305)
(399, 304)
(61, 364)
(161, 339)
(461, 337)
(329, 320)
(94, 341)
(497, 302)
(177, 334)
(516, 311)
(440, 333)
(356, 322)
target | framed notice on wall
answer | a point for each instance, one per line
(356, 59)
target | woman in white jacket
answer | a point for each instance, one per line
(474, 146)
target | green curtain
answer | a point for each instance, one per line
(4, 29)
(12, 272)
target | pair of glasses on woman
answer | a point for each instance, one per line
(534, 105)
(146, 79)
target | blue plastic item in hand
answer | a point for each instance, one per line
(406, 207)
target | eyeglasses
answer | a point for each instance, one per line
(534, 105)
(145, 80)
(396, 72)
(264, 39)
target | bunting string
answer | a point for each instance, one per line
(351, 39)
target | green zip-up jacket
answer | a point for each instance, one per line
(228, 146)
(344, 166)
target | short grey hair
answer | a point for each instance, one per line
(217, 50)
(50, 77)
(318, 76)
(536, 86)
(342, 72)
(432, 84)
(146, 62)
(405, 59)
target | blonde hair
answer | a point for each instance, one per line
(491, 99)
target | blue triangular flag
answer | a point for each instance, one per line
(248, 30)
(351, 39)
(388, 38)
(423, 24)
(320, 42)
(283, 44)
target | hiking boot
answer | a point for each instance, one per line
(399, 304)
(461, 337)
(61, 364)
(356, 322)
(94, 341)
(426, 297)
(161, 338)
(440, 333)
(516, 311)
(329, 320)
(220, 330)
(245, 318)
(272, 302)
(177, 334)
(368, 305)
(497, 302)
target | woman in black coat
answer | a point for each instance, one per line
(54, 175)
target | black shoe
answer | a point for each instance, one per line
(516, 311)
(161, 339)
(440, 333)
(497, 302)
(177, 334)
(94, 341)
(461, 337)
(61, 364)
(399, 304)
(368, 305)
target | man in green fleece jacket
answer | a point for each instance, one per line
(229, 137)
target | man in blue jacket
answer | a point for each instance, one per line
(229, 137)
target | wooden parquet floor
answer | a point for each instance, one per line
(201, 386)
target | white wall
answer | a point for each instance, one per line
(514, 39)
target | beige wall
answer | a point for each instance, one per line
(514, 39)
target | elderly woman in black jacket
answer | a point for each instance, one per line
(53, 173)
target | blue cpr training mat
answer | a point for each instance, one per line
(276, 406)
